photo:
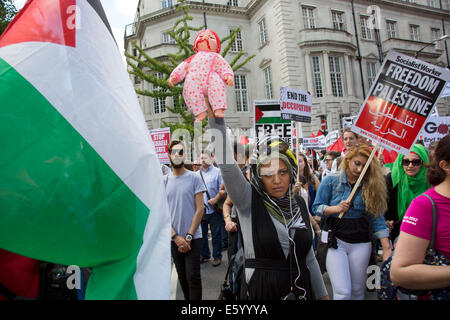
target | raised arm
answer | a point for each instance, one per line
(238, 188)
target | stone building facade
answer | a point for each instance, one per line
(328, 47)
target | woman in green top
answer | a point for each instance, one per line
(406, 181)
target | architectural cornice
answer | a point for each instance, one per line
(413, 7)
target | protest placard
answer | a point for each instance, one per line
(435, 129)
(400, 101)
(268, 120)
(295, 104)
(161, 140)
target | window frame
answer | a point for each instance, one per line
(411, 33)
(268, 88)
(341, 14)
(337, 77)
(317, 76)
(238, 44)
(309, 22)
(366, 31)
(263, 39)
(241, 93)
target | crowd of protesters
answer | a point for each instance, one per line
(276, 205)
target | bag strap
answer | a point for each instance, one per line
(207, 193)
(433, 230)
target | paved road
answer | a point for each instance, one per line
(212, 278)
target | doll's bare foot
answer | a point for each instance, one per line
(219, 113)
(200, 117)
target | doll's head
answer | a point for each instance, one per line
(207, 40)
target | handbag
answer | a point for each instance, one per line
(388, 291)
(327, 239)
(218, 207)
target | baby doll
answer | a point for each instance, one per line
(206, 73)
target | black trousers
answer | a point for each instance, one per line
(188, 269)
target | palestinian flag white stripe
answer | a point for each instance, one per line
(89, 86)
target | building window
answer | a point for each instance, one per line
(159, 104)
(240, 86)
(337, 84)
(366, 33)
(308, 17)
(414, 32)
(435, 35)
(317, 76)
(432, 3)
(391, 27)
(268, 83)
(166, 38)
(371, 72)
(166, 3)
(237, 44)
(338, 20)
(233, 3)
(262, 32)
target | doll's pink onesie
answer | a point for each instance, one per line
(204, 73)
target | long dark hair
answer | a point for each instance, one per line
(435, 174)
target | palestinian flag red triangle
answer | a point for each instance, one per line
(61, 18)
(258, 114)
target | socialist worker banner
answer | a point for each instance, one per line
(400, 101)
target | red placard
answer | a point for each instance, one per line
(161, 140)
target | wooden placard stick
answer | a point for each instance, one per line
(361, 176)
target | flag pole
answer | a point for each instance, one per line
(361, 176)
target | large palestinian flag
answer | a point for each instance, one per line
(80, 182)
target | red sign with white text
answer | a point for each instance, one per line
(161, 141)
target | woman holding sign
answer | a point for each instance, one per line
(350, 242)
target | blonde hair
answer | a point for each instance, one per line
(374, 190)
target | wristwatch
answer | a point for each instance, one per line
(188, 237)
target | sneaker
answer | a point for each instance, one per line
(203, 260)
(216, 262)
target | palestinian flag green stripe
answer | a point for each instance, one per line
(54, 178)
(272, 120)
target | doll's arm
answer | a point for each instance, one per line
(224, 70)
(179, 73)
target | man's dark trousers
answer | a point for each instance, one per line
(188, 269)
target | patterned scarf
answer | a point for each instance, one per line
(284, 209)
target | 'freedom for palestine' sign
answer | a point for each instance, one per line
(400, 101)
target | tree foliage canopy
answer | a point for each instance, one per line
(7, 12)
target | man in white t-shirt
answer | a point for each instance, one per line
(184, 191)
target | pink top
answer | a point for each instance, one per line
(418, 220)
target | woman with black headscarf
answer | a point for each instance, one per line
(277, 235)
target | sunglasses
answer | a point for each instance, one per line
(177, 151)
(415, 162)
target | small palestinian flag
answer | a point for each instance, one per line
(80, 182)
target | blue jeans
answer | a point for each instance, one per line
(215, 221)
